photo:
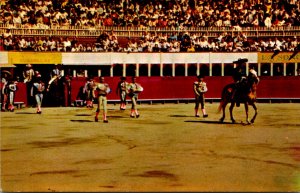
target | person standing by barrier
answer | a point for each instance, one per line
(134, 89)
(121, 91)
(28, 75)
(37, 90)
(200, 88)
(11, 89)
(4, 91)
(102, 89)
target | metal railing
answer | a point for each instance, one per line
(74, 31)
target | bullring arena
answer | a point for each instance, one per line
(62, 147)
(166, 149)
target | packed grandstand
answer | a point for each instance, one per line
(149, 26)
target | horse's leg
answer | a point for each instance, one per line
(247, 113)
(230, 110)
(255, 114)
(223, 109)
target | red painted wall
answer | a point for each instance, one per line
(182, 87)
(20, 93)
(279, 87)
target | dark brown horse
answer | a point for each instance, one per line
(246, 94)
(56, 95)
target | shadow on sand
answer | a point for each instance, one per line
(210, 122)
(180, 116)
(83, 115)
(81, 121)
(26, 113)
(118, 117)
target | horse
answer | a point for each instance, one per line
(56, 92)
(246, 94)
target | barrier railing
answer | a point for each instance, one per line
(76, 31)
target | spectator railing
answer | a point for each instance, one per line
(252, 32)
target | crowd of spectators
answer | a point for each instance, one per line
(177, 14)
(150, 13)
(150, 42)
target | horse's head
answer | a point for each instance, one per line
(253, 78)
(252, 81)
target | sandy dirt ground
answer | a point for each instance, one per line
(166, 149)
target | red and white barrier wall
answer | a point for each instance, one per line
(172, 88)
(164, 87)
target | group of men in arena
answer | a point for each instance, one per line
(100, 90)
(35, 87)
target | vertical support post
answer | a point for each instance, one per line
(271, 69)
(284, 69)
(161, 69)
(124, 69)
(198, 69)
(259, 69)
(173, 69)
(137, 70)
(149, 70)
(210, 69)
(185, 69)
(222, 69)
(111, 70)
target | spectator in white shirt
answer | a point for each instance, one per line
(67, 45)
(17, 19)
(22, 44)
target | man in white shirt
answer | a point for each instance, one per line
(67, 45)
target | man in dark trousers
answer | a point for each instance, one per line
(121, 91)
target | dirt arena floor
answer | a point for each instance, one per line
(166, 149)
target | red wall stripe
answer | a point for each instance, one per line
(182, 87)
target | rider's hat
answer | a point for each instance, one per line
(241, 61)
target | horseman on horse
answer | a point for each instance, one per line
(56, 74)
(56, 87)
(243, 90)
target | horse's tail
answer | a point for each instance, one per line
(220, 106)
(221, 101)
(225, 96)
